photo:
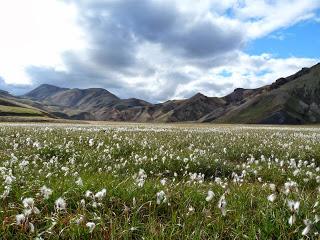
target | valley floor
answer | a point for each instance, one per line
(159, 181)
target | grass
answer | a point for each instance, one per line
(184, 161)
(18, 111)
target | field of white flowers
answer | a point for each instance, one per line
(159, 182)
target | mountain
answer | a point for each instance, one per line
(190, 109)
(84, 98)
(81, 104)
(290, 100)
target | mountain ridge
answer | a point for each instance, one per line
(288, 100)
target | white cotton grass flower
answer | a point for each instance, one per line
(210, 196)
(27, 211)
(134, 202)
(293, 206)
(20, 219)
(82, 203)
(89, 194)
(290, 187)
(161, 197)
(163, 181)
(79, 220)
(272, 187)
(28, 202)
(60, 204)
(91, 142)
(79, 182)
(24, 164)
(272, 197)
(35, 210)
(140, 178)
(31, 227)
(94, 204)
(292, 219)
(296, 172)
(222, 204)
(91, 226)
(37, 145)
(45, 192)
(101, 194)
(308, 224)
(191, 209)
(6, 192)
(8, 180)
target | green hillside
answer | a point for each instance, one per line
(12, 108)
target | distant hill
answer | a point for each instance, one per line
(11, 107)
(290, 100)
(81, 104)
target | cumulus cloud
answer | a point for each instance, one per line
(161, 49)
(264, 17)
(131, 22)
(243, 71)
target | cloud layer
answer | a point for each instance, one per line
(160, 49)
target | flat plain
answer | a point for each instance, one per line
(159, 181)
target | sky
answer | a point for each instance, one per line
(155, 49)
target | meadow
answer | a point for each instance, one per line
(148, 181)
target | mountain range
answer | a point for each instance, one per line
(289, 100)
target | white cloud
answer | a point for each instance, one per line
(258, 17)
(35, 32)
(279, 18)
(125, 56)
(246, 71)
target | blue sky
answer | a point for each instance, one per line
(300, 40)
(155, 49)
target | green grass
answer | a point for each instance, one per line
(18, 111)
(184, 161)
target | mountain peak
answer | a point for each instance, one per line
(51, 87)
(198, 95)
(239, 90)
(47, 85)
(44, 91)
(100, 90)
